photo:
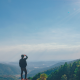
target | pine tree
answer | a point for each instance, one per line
(42, 77)
(64, 77)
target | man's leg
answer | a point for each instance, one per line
(25, 73)
(21, 73)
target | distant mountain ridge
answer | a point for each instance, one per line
(9, 77)
(8, 69)
(11, 69)
(43, 70)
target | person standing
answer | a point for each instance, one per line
(23, 64)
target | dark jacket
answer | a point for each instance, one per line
(22, 62)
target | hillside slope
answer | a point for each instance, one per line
(8, 70)
(68, 71)
(42, 70)
(8, 78)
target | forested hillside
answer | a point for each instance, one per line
(69, 71)
(8, 70)
(8, 78)
(44, 70)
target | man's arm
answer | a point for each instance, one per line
(26, 56)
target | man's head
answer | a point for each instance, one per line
(22, 56)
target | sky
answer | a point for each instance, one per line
(44, 30)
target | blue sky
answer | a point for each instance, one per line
(42, 29)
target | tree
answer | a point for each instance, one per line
(39, 79)
(77, 72)
(64, 77)
(42, 77)
(36, 76)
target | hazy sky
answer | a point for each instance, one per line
(42, 29)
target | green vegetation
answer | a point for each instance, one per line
(8, 70)
(42, 77)
(50, 70)
(8, 78)
(36, 76)
(64, 77)
(69, 71)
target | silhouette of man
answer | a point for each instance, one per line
(23, 64)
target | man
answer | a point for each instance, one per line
(23, 64)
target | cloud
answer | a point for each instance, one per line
(37, 47)
(47, 51)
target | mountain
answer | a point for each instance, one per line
(68, 71)
(35, 67)
(9, 77)
(8, 69)
(42, 70)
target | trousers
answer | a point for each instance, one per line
(23, 69)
